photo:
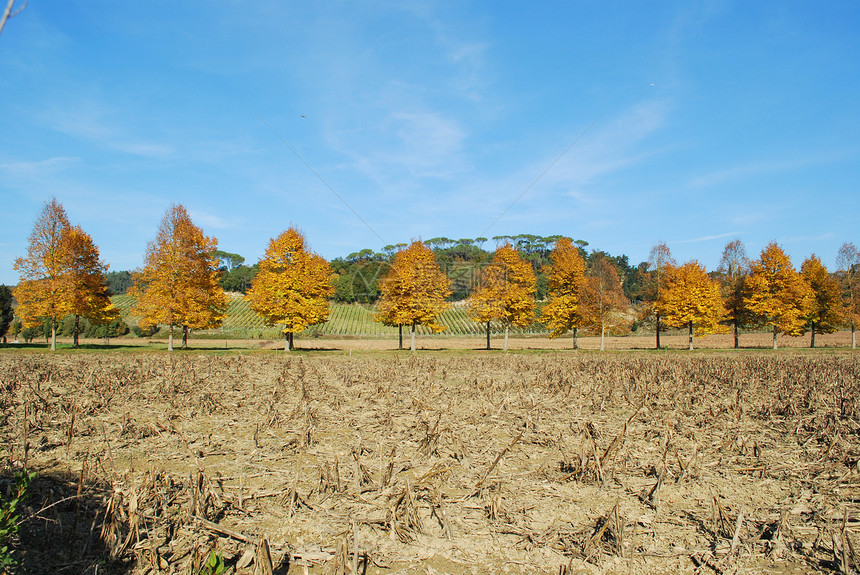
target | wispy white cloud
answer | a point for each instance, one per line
(763, 168)
(38, 167)
(810, 238)
(206, 219)
(705, 238)
(96, 122)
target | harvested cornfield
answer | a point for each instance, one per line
(471, 463)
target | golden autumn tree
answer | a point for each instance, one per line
(848, 271)
(825, 315)
(777, 294)
(89, 291)
(565, 311)
(690, 298)
(414, 291)
(604, 299)
(734, 269)
(45, 289)
(292, 287)
(178, 286)
(505, 292)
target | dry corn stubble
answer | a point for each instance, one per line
(644, 463)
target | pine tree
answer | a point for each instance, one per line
(690, 298)
(414, 291)
(505, 292)
(6, 313)
(565, 310)
(292, 287)
(777, 294)
(178, 285)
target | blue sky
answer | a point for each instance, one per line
(619, 123)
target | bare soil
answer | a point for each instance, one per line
(711, 462)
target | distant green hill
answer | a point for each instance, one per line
(345, 320)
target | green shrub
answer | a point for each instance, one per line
(9, 519)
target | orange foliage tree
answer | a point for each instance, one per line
(825, 315)
(689, 298)
(848, 266)
(777, 294)
(414, 291)
(178, 285)
(89, 290)
(565, 310)
(604, 297)
(505, 292)
(45, 289)
(292, 287)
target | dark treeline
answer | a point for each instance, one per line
(357, 275)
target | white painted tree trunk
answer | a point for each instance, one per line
(507, 329)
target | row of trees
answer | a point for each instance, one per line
(179, 286)
(765, 292)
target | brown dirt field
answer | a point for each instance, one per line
(707, 462)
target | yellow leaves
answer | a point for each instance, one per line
(825, 313)
(689, 297)
(45, 289)
(90, 297)
(776, 293)
(293, 285)
(506, 290)
(603, 297)
(178, 285)
(565, 309)
(414, 290)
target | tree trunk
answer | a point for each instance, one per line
(735, 322)
(77, 330)
(170, 339)
(412, 348)
(184, 337)
(691, 336)
(53, 334)
(287, 346)
(853, 337)
(774, 337)
(812, 339)
(603, 333)
(575, 340)
(488, 336)
(292, 340)
(507, 329)
(400, 336)
(658, 332)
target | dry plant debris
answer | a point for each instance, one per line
(637, 463)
